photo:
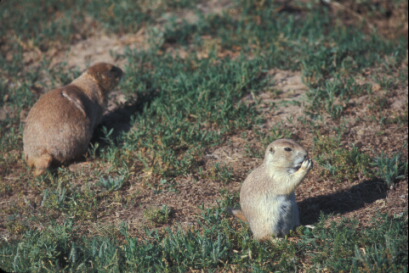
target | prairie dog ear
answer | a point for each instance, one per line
(271, 150)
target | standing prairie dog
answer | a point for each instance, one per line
(60, 125)
(267, 197)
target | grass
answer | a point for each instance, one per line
(175, 130)
(159, 216)
(195, 83)
(113, 184)
(344, 248)
(341, 163)
(341, 247)
(391, 169)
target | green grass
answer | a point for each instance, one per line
(190, 104)
(113, 184)
(219, 245)
(342, 163)
(391, 169)
(196, 105)
(343, 247)
(159, 216)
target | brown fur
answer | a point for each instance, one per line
(60, 125)
(267, 196)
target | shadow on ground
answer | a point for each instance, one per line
(342, 202)
(119, 120)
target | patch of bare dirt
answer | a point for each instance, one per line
(101, 48)
(287, 96)
(390, 18)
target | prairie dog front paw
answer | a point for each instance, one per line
(307, 165)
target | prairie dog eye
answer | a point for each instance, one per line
(288, 149)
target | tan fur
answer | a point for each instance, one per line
(239, 214)
(267, 195)
(60, 125)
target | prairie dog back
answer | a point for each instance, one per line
(60, 124)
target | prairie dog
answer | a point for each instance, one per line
(267, 197)
(60, 125)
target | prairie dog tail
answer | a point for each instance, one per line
(41, 163)
(239, 214)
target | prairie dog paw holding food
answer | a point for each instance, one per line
(60, 125)
(267, 196)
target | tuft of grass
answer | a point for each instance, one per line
(391, 169)
(278, 131)
(221, 173)
(112, 183)
(341, 163)
(159, 216)
(379, 104)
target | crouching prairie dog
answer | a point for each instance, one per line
(60, 125)
(267, 197)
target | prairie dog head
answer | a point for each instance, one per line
(285, 155)
(106, 75)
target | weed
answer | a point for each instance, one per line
(54, 199)
(159, 216)
(379, 104)
(401, 119)
(221, 173)
(388, 83)
(17, 227)
(279, 130)
(5, 188)
(111, 183)
(46, 251)
(342, 164)
(391, 169)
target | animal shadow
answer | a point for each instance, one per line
(119, 120)
(342, 202)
